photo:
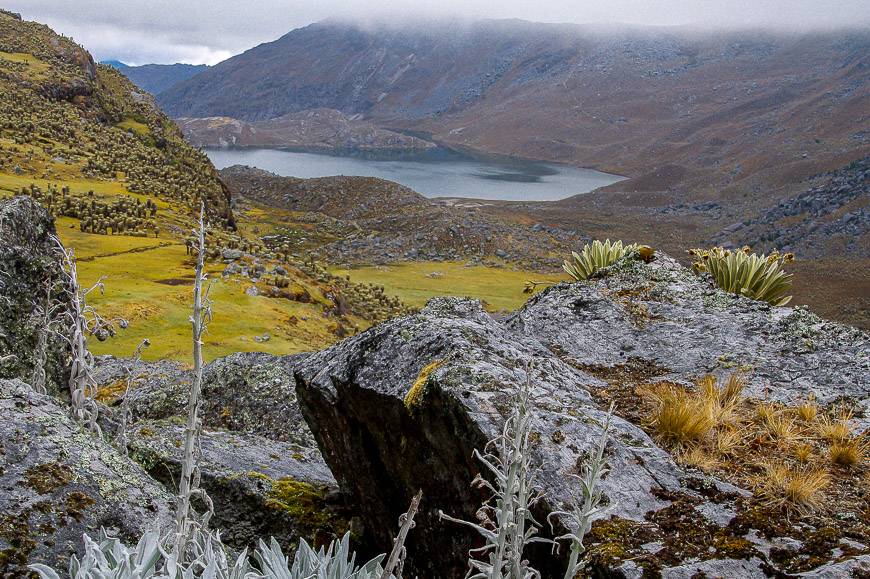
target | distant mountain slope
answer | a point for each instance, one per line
(722, 107)
(156, 78)
(315, 129)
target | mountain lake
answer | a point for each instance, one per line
(438, 172)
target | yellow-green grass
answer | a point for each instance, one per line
(499, 289)
(31, 61)
(152, 289)
(89, 245)
(135, 126)
(10, 183)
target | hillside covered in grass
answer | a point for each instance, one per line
(65, 118)
(122, 185)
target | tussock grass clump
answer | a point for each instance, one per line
(758, 277)
(808, 410)
(849, 452)
(781, 429)
(836, 429)
(802, 490)
(595, 256)
(679, 417)
(803, 452)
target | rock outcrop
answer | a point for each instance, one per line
(401, 407)
(663, 315)
(248, 392)
(260, 463)
(260, 487)
(58, 481)
(29, 266)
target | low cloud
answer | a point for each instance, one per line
(208, 31)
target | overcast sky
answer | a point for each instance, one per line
(208, 31)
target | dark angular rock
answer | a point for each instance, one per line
(387, 427)
(28, 264)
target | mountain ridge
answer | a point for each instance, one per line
(157, 78)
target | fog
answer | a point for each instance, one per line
(208, 31)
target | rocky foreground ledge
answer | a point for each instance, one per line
(402, 406)
(312, 445)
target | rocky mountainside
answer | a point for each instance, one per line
(157, 78)
(831, 217)
(310, 445)
(325, 129)
(712, 129)
(371, 220)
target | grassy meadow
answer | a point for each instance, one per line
(416, 282)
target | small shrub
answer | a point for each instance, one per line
(758, 277)
(593, 257)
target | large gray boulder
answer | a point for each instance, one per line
(29, 265)
(247, 392)
(402, 406)
(58, 481)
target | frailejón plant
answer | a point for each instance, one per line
(741, 272)
(585, 507)
(44, 318)
(207, 558)
(508, 462)
(188, 486)
(134, 376)
(80, 320)
(595, 256)
(396, 560)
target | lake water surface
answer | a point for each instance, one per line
(434, 173)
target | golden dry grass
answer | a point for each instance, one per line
(848, 452)
(802, 490)
(679, 417)
(808, 410)
(803, 452)
(837, 428)
(714, 428)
